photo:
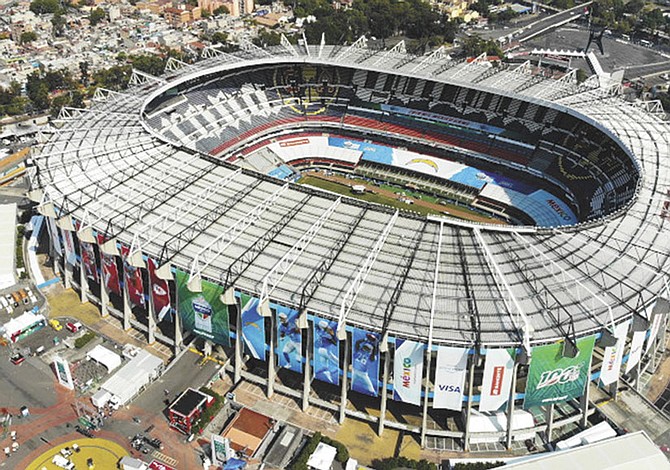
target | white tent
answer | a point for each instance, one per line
(21, 324)
(133, 376)
(7, 241)
(101, 398)
(322, 458)
(104, 356)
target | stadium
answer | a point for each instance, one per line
(174, 206)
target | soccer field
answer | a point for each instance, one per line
(385, 195)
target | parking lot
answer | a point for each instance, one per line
(11, 308)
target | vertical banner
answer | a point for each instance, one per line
(133, 280)
(365, 362)
(55, 237)
(498, 370)
(88, 260)
(407, 371)
(160, 293)
(63, 372)
(635, 350)
(203, 312)
(609, 372)
(553, 378)
(253, 327)
(70, 253)
(326, 351)
(289, 339)
(450, 378)
(220, 449)
(110, 272)
(655, 325)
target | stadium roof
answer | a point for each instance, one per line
(464, 282)
(634, 450)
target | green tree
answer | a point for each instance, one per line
(114, 78)
(219, 37)
(267, 38)
(475, 45)
(27, 37)
(40, 7)
(222, 10)
(58, 23)
(97, 15)
(148, 63)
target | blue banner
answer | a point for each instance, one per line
(326, 351)
(289, 339)
(365, 362)
(253, 327)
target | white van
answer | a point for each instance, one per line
(62, 462)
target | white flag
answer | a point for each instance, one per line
(498, 370)
(609, 372)
(635, 350)
(450, 378)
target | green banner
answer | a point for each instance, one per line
(203, 312)
(553, 378)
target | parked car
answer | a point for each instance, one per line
(73, 327)
(17, 359)
(55, 324)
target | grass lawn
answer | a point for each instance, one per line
(375, 198)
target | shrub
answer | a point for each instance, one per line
(392, 463)
(342, 452)
(300, 463)
(84, 339)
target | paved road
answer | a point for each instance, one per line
(546, 23)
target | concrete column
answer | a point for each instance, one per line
(178, 337)
(104, 299)
(510, 407)
(272, 373)
(468, 408)
(237, 375)
(549, 416)
(385, 380)
(426, 391)
(584, 403)
(345, 368)
(637, 375)
(67, 268)
(307, 382)
(151, 321)
(104, 295)
(126, 308)
(83, 283)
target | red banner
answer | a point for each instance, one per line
(160, 295)
(88, 261)
(133, 279)
(110, 272)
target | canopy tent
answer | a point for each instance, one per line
(104, 356)
(322, 458)
(22, 324)
(7, 245)
(133, 376)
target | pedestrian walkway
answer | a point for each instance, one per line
(633, 412)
